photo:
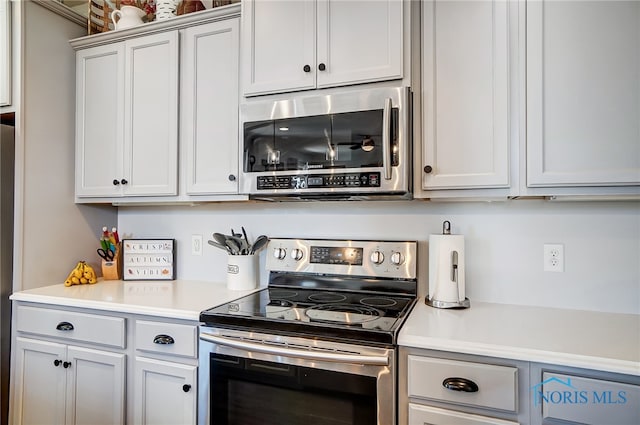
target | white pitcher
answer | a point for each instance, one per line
(128, 16)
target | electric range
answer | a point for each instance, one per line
(318, 344)
(333, 289)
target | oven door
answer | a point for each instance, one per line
(248, 378)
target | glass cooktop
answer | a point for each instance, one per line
(318, 313)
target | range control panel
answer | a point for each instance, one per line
(393, 259)
(318, 181)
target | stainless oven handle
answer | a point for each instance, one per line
(386, 139)
(302, 354)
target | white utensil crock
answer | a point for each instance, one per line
(242, 272)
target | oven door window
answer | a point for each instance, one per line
(248, 391)
(334, 141)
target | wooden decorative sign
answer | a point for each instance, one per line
(148, 259)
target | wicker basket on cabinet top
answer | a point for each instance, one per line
(99, 16)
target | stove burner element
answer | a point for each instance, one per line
(348, 314)
(327, 297)
(282, 293)
(378, 301)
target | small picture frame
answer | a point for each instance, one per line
(148, 259)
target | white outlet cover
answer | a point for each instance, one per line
(553, 257)
(196, 244)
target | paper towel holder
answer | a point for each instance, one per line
(453, 266)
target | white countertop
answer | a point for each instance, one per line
(177, 299)
(602, 341)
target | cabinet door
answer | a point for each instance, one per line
(99, 120)
(5, 52)
(359, 41)
(583, 93)
(151, 115)
(95, 382)
(278, 41)
(427, 415)
(209, 107)
(40, 385)
(164, 393)
(465, 94)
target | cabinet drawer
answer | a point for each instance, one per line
(84, 327)
(428, 415)
(497, 385)
(167, 338)
(586, 400)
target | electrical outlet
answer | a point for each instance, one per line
(196, 244)
(554, 257)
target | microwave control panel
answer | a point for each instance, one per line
(318, 181)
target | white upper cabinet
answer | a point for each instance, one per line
(288, 46)
(99, 123)
(209, 107)
(465, 94)
(126, 118)
(583, 93)
(5, 53)
(151, 114)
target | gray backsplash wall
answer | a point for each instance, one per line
(504, 242)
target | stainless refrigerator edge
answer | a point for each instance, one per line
(7, 153)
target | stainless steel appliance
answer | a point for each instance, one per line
(318, 344)
(349, 145)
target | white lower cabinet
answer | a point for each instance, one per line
(427, 415)
(74, 366)
(438, 388)
(166, 370)
(561, 395)
(165, 392)
(63, 384)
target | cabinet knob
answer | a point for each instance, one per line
(322, 67)
(163, 339)
(64, 326)
(186, 388)
(124, 181)
(232, 178)
(306, 68)
(460, 384)
(428, 169)
(116, 182)
(66, 365)
(57, 362)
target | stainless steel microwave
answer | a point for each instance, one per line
(349, 145)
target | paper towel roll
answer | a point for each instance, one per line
(446, 268)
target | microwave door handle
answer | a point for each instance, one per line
(386, 139)
(296, 353)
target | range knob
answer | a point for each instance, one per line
(279, 253)
(377, 257)
(297, 254)
(397, 258)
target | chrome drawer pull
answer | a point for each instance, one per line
(64, 326)
(163, 339)
(460, 384)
